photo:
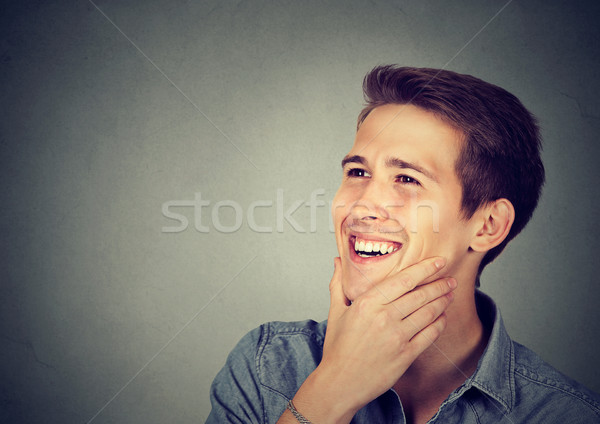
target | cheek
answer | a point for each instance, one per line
(337, 209)
(424, 218)
(340, 207)
(450, 238)
(433, 217)
(436, 228)
(339, 212)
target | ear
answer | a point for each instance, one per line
(494, 223)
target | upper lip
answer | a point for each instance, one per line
(371, 237)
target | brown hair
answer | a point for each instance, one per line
(501, 153)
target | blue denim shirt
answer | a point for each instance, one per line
(511, 384)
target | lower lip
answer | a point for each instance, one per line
(354, 257)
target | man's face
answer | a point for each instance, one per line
(399, 195)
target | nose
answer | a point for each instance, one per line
(372, 204)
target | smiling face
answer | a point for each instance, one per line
(400, 199)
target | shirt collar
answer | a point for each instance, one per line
(495, 371)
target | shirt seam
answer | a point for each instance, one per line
(507, 374)
(474, 410)
(262, 342)
(511, 372)
(565, 389)
(486, 376)
(265, 336)
(305, 332)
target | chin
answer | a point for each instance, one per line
(369, 257)
(360, 278)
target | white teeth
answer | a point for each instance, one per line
(362, 247)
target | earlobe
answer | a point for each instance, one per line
(496, 220)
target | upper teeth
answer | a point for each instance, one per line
(374, 246)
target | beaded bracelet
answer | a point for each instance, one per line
(301, 418)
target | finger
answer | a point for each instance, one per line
(409, 278)
(338, 301)
(424, 316)
(428, 335)
(422, 295)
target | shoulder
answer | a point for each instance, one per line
(282, 337)
(308, 328)
(287, 352)
(264, 371)
(278, 354)
(545, 390)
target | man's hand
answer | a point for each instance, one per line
(370, 343)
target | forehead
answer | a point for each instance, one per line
(409, 133)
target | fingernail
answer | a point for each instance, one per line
(452, 283)
(439, 263)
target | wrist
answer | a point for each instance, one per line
(299, 417)
(322, 399)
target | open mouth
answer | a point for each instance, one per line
(373, 248)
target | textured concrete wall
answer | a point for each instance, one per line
(108, 112)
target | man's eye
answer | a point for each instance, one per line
(405, 179)
(357, 172)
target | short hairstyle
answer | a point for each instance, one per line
(500, 157)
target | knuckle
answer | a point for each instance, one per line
(383, 319)
(420, 297)
(413, 348)
(402, 345)
(430, 314)
(401, 334)
(362, 304)
(443, 287)
(441, 303)
(441, 323)
(443, 320)
(367, 298)
(407, 283)
(435, 332)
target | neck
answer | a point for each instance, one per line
(447, 363)
(459, 347)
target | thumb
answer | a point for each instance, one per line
(339, 301)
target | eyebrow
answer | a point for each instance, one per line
(354, 159)
(391, 163)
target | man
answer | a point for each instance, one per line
(445, 170)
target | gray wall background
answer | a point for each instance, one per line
(236, 100)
